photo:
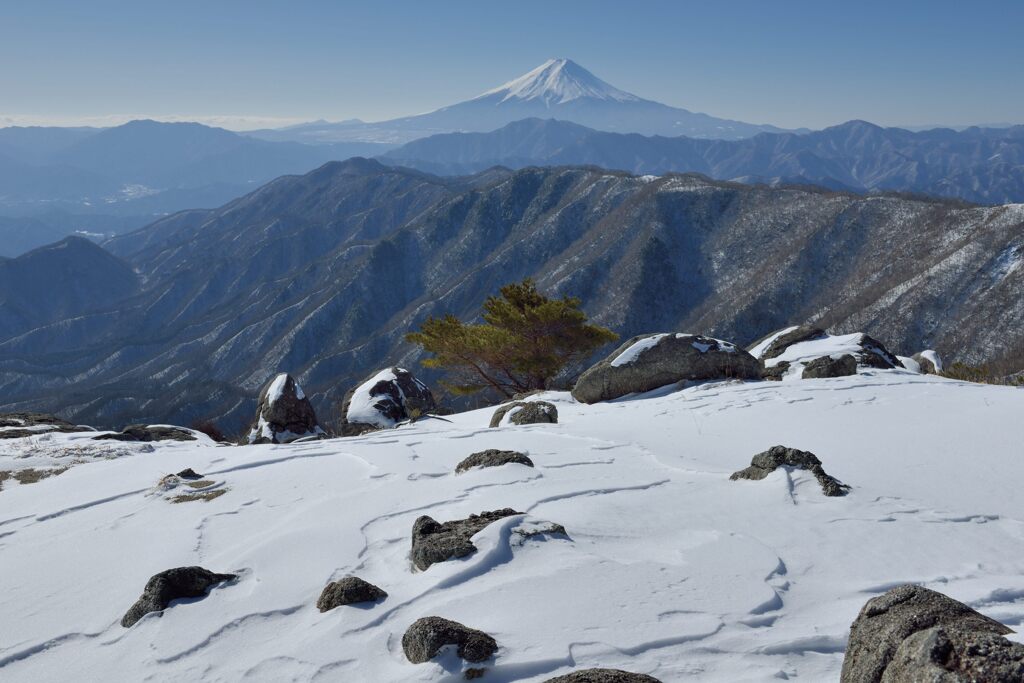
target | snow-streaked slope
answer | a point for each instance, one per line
(558, 81)
(672, 569)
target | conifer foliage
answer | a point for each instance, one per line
(526, 339)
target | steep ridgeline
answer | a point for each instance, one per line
(322, 275)
(984, 165)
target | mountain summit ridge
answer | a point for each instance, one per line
(558, 81)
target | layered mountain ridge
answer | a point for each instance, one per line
(322, 275)
(976, 164)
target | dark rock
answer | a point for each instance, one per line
(526, 413)
(29, 424)
(875, 355)
(775, 372)
(425, 638)
(952, 654)
(348, 591)
(148, 433)
(881, 636)
(284, 413)
(666, 359)
(492, 458)
(603, 676)
(189, 473)
(925, 364)
(162, 588)
(827, 366)
(783, 342)
(385, 399)
(762, 464)
(435, 542)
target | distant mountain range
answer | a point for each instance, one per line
(59, 181)
(976, 164)
(322, 275)
(558, 88)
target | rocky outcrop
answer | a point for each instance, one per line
(284, 413)
(797, 335)
(928, 362)
(763, 464)
(827, 366)
(776, 372)
(434, 542)
(172, 584)
(384, 400)
(350, 590)
(912, 633)
(603, 676)
(526, 413)
(425, 638)
(492, 457)
(149, 433)
(18, 425)
(655, 360)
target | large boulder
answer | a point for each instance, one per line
(148, 433)
(827, 366)
(350, 590)
(284, 413)
(172, 584)
(794, 335)
(912, 633)
(492, 457)
(389, 397)
(763, 464)
(795, 349)
(434, 542)
(525, 413)
(425, 637)
(655, 360)
(18, 425)
(603, 676)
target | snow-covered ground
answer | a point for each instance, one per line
(672, 569)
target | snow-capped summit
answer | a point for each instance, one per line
(558, 81)
(557, 89)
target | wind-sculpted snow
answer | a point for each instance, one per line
(667, 568)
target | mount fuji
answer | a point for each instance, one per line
(558, 88)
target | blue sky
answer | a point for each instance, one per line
(788, 63)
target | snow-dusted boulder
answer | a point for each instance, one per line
(525, 413)
(763, 464)
(650, 361)
(492, 457)
(350, 590)
(19, 425)
(913, 633)
(787, 352)
(389, 397)
(284, 413)
(928, 362)
(152, 433)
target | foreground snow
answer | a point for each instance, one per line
(671, 569)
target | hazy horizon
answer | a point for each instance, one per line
(243, 66)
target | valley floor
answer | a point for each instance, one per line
(671, 569)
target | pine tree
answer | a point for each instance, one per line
(526, 339)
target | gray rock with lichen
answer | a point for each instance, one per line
(603, 676)
(493, 457)
(350, 590)
(434, 542)
(827, 366)
(763, 464)
(915, 634)
(425, 638)
(526, 413)
(172, 584)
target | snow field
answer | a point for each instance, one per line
(670, 569)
